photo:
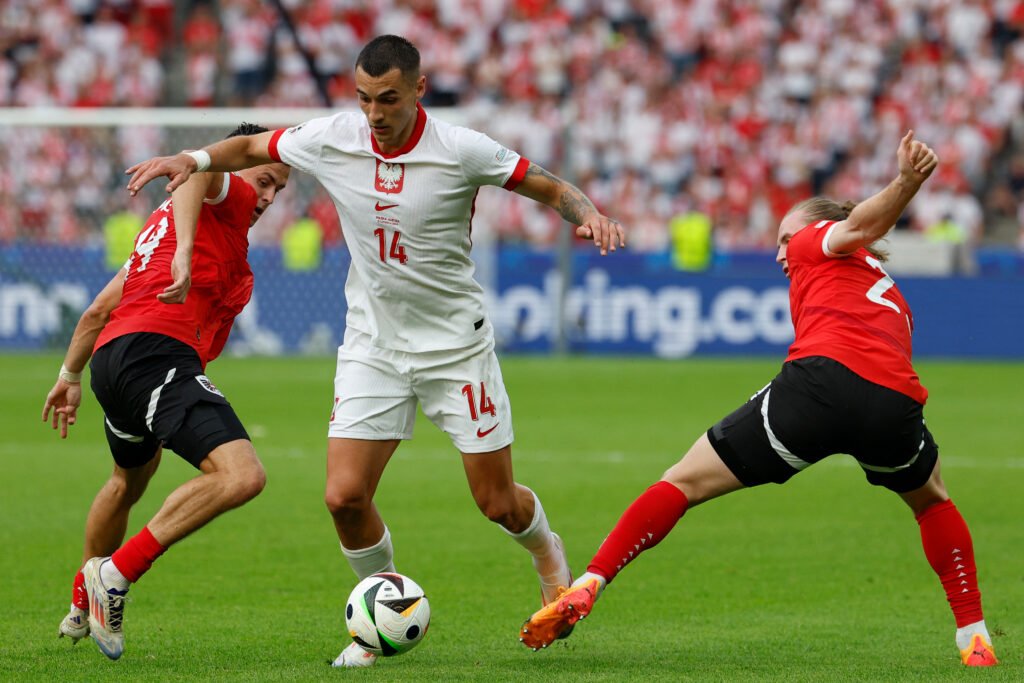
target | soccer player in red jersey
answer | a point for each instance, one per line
(847, 386)
(150, 333)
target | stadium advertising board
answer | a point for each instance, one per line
(627, 303)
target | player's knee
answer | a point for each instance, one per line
(243, 472)
(345, 502)
(116, 490)
(500, 511)
(251, 482)
(245, 482)
(925, 497)
(123, 489)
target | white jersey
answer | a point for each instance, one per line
(406, 219)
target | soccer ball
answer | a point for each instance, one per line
(387, 614)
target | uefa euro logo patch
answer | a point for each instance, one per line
(389, 178)
(205, 383)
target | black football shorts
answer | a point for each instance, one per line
(153, 392)
(816, 407)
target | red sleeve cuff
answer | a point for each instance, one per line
(272, 146)
(518, 174)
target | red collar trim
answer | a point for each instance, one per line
(417, 133)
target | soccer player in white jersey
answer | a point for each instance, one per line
(404, 184)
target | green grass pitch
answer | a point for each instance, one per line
(822, 579)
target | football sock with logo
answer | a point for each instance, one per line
(950, 552)
(79, 597)
(641, 527)
(539, 542)
(379, 557)
(132, 560)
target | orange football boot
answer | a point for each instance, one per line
(556, 619)
(978, 653)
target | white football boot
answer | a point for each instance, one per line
(353, 656)
(106, 610)
(75, 625)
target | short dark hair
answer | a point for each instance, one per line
(247, 129)
(384, 53)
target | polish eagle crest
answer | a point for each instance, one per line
(389, 177)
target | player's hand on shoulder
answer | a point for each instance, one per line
(178, 168)
(916, 159)
(607, 233)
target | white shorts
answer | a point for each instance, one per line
(462, 392)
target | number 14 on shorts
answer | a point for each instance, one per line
(486, 404)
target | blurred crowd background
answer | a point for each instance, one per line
(730, 110)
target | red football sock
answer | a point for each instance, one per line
(135, 557)
(79, 598)
(948, 547)
(640, 528)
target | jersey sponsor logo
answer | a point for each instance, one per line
(383, 207)
(389, 178)
(205, 383)
(481, 433)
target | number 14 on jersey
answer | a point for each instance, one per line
(397, 250)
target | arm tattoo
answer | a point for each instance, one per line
(573, 205)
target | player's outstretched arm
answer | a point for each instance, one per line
(188, 202)
(233, 154)
(874, 217)
(66, 394)
(574, 206)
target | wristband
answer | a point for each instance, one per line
(202, 158)
(68, 376)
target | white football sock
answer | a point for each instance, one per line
(965, 633)
(112, 576)
(379, 557)
(538, 540)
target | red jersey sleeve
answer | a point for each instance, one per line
(809, 246)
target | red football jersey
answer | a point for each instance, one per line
(221, 278)
(848, 309)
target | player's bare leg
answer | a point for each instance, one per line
(518, 511)
(231, 475)
(698, 477)
(105, 528)
(354, 470)
(950, 551)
